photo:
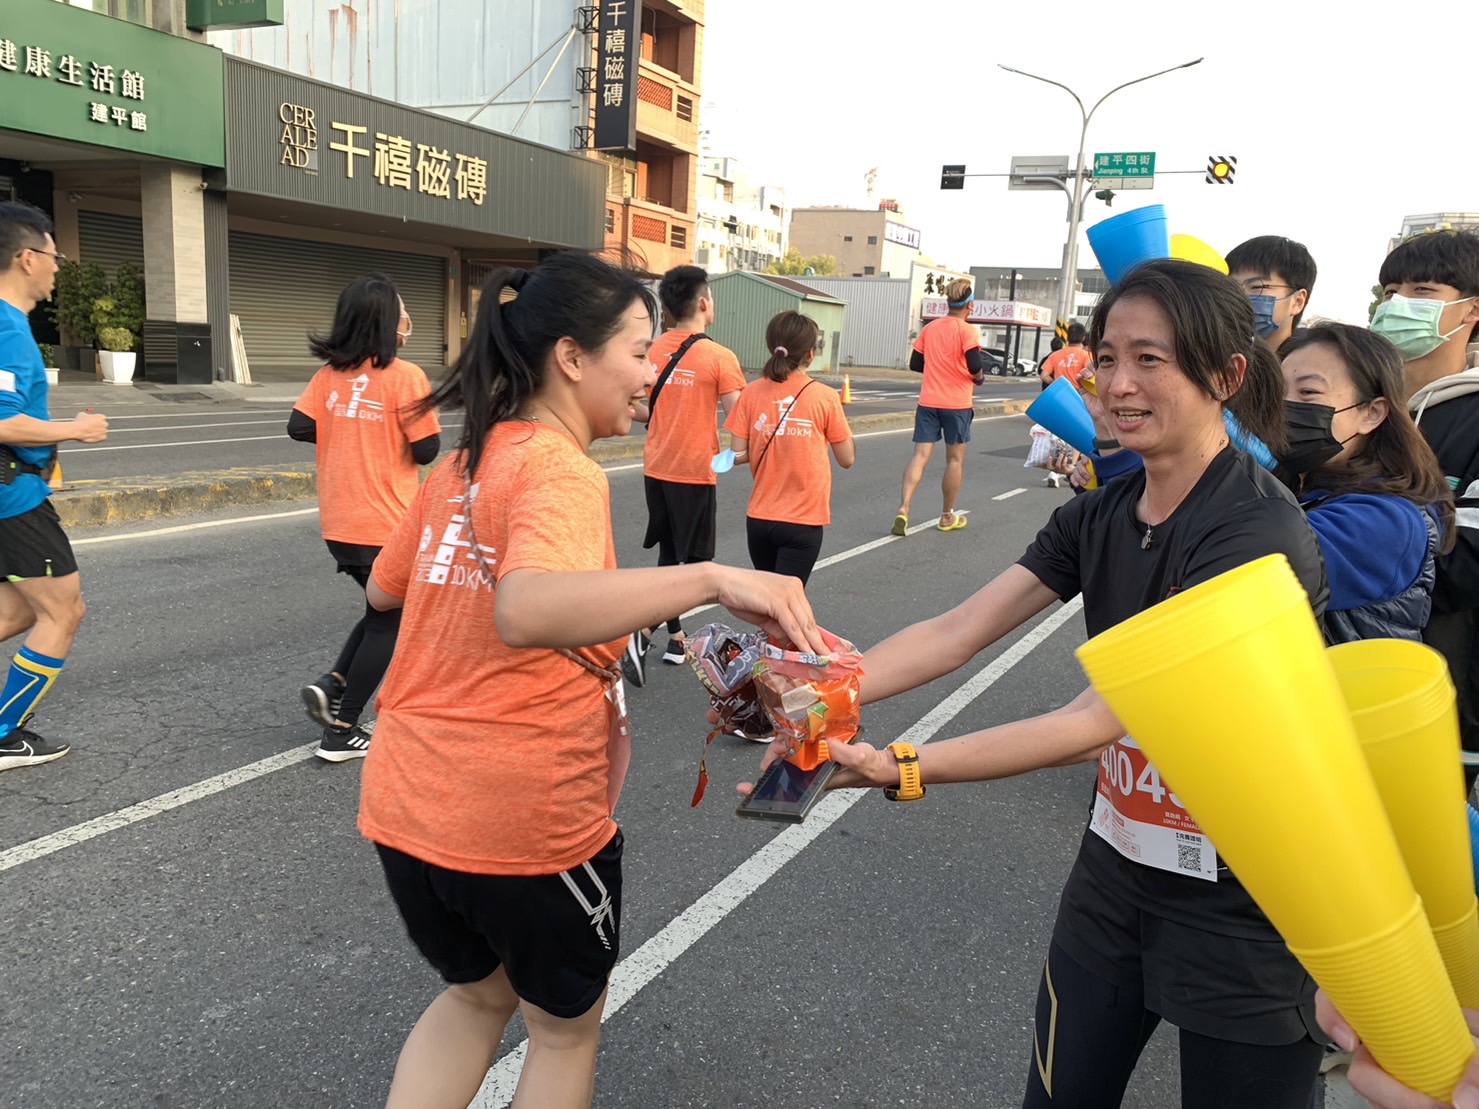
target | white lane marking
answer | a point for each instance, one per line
(660, 952)
(190, 427)
(177, 529)
(1009, 493)
(177, 415)
(246, 773)
(122, 818)
(160, 446)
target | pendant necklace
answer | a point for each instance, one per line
(1148, 537)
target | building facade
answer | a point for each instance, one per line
(740, 226)
(1436, 221)
(865, 242)
(530, 69)
(120, 132)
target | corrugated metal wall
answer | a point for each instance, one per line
(445, 55)
(110, 240)
(284, 288)
(875, 328)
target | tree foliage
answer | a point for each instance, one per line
(794, 265)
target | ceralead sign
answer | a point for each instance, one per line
(296, 139)
(72, 74)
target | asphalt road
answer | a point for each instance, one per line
(233, 945)
(162, 438)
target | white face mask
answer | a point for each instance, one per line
(403, 336)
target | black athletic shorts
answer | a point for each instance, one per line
(555, 935)
(33, 545)
(353, 559)
(682, 519)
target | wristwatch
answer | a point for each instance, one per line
(909, 787)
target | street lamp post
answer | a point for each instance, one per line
(1076, 196)
(1012, 296)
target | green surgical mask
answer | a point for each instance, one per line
(1411, 324)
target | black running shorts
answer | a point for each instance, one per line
(33, 545)
(682, 520)
(555, 935)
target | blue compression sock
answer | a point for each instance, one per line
(31, 675)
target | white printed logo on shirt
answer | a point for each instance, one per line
(7, 382)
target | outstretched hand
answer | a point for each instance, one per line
(858, 764)
(1379, 1087)
(775, 602)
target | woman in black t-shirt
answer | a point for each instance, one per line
(1152, 924)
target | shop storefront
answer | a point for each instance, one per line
(323, 185)
(102, 117)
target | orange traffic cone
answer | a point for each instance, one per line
(846, 390)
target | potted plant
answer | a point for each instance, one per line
(77, 287)
(48, 359)
(117, 357)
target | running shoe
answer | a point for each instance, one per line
(351, 743)
(675, 655)
(634, 659)
(322, 699)
(24, 747)
(901, 525)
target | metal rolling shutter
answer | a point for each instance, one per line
(111, 240)
(284, 288)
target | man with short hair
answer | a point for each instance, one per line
(39, 588)
(1430, 311)
(1278, 275)
(1069, 361)
(696, 377)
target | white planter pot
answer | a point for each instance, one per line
(117, 366)
(52, 377)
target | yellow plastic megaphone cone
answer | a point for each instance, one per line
(1228, 690)
(1402, 704)
(1194, 250)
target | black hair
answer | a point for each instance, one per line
(22, 227)
(1443, 257)
(1212, 320)
(1277, 256)
(1395, 459)
(789, 337)
(680, 289)
(1076, 333)
(571, 295)
(365, 323)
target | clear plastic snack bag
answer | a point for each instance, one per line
(811, 698)
(725, 661)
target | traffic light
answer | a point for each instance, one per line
(1106, 195)
(952, 177)
(1220, 169)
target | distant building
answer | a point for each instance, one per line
(1436, 221)
(866, 242)
(740, 226)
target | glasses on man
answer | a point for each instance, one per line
(1257, 286)
(56, 254)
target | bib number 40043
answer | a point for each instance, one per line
(1119, 771)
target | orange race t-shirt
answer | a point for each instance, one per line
(793, 475)
(489, 759)
(683, 430)
(1069, 362)
(947, 381)
(366, 475)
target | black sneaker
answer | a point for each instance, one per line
(352, 743)
(24, 747)
(634, 659)
(675, 655)
(322, 699)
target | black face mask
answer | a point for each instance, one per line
(1311, 442)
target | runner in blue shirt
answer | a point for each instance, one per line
(39, 588)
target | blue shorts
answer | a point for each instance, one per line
(954, 423)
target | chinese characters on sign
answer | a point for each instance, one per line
(993, 311)
(898, 233)
(394, 161)
(617, 41)
(101, 79)
(1124, 165)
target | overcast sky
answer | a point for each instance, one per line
(1343, 117)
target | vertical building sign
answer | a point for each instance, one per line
(618, 47)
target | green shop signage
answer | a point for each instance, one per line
(230, 15)
(71, 74)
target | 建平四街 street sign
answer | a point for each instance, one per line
(1137, 164)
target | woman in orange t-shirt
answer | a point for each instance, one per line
(501, 743)
(783, 425)
(358, 411)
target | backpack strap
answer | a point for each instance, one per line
(662, 378)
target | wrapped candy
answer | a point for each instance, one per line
(724, 661)
(811, 698)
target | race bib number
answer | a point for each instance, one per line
(1143, 820)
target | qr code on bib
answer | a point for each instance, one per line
(1188, 854)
